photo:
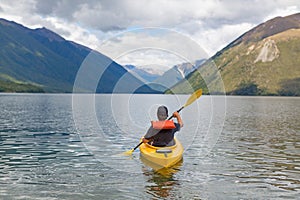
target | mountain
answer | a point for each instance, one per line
(39, 60)
(263, 61)
(141, 73)
(176, 74)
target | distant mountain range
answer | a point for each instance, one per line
(168, 78)
(176, 74)
(39, 60)
(263, 61)
(141, 74)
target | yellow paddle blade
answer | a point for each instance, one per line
(193, 97)
(128, 153)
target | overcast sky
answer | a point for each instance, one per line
(120, 28)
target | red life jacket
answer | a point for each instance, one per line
(159, 125)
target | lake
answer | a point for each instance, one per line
(63, 146)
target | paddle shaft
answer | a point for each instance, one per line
(177, 111)
(137, 146)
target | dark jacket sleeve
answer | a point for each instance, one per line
(177, 127)
(150, 133)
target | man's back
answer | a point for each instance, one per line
(161, 138)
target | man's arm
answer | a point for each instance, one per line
(148, 136)
(178, 117)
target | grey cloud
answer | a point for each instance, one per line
(46, 7)
(57, 8)
(102, 15)
(114, 15)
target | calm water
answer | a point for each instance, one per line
(59, 147)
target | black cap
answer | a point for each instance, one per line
(162, 113)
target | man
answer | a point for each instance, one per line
(161, 133)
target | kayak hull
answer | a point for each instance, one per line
(162, 156)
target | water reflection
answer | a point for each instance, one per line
(161, 181)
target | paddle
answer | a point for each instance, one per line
(192, 98)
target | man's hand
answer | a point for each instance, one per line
(145, 140)
(175, 114)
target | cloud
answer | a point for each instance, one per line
(112, 15)
(215, 39)
(152, 46)
(283, 11)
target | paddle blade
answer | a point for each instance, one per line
(193, 97)
(128, 153)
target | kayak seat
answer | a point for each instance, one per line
(163, 150)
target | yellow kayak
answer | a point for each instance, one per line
(162, 156)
